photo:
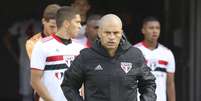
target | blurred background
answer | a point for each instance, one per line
(181, 32)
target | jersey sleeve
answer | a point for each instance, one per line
(171, 64)
(38, 57)
(29, 48)
(30, 44)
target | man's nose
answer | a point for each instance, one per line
(79, 26)
(111, 35)
(155, 30)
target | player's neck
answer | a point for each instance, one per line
(62, 34)
(44, 34)
(151, 44)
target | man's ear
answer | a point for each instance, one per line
(66, 23)
(98, 33)
(142, 31)
(43, 21)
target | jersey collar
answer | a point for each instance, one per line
(61, 40)
(146, 46)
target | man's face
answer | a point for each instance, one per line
(151, 30)
(50, 26)
(81, 6)
(110, 36)
(74, 26)
(92, 29)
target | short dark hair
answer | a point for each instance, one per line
(73, 1)
(148, 19)
(65, 13)
(50, 11)
(93, 17)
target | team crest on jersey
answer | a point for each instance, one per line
(68, 59)
(152, 63)
(126, 66)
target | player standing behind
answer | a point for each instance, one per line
(159, 58)
(83, 7)
(49, 27)
(91, 30)
(53, 55)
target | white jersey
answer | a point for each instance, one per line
(160, 60)
(53, 57)
(83, 41)
(81, 38)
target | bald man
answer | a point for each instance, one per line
(111, 70)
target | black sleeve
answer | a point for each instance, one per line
(73, 79)
(146, 82)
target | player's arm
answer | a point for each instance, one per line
(171, 92)
(29, 47)
(30, 44)
(38, 60)
(38, 86)
(171, 87)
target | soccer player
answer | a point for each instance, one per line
(159, 58)
(53, 55)
(49, 27)
(82, 6)
(90, 30)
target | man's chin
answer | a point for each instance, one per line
(75, 36)
(111, 47)
(154, 38)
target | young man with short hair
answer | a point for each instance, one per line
(159, 58)
(49, 27)
(53, 55)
